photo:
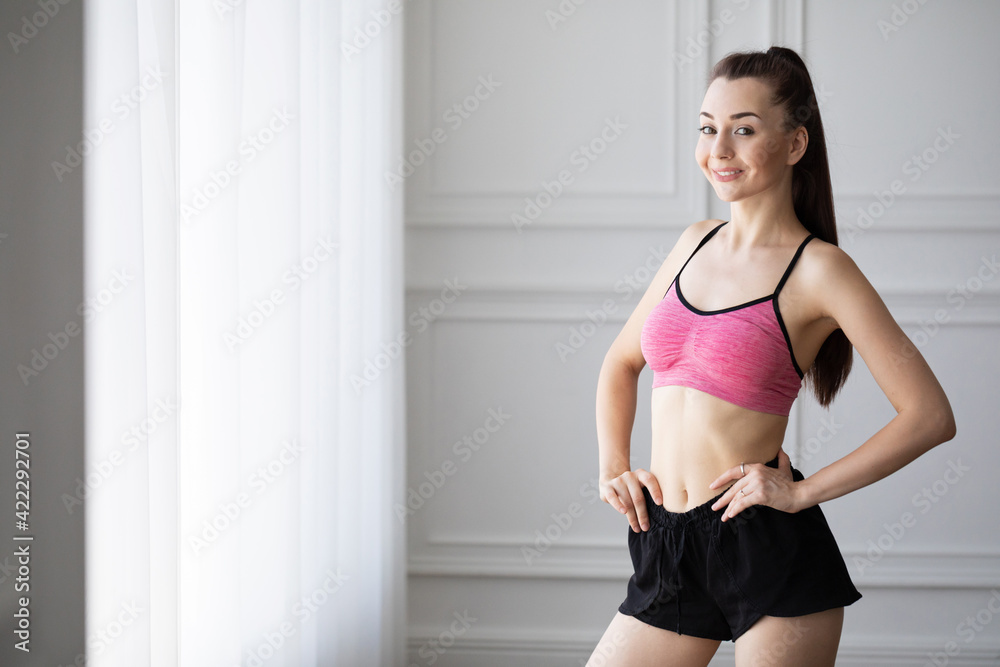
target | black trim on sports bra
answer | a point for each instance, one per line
(703, 241)
(791, 264)
(777, 311)
(773, 296)
(788, 340)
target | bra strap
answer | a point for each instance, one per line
(700, 244)
(791, 264)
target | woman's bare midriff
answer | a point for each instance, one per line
(697, 437)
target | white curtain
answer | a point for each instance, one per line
(238, 220)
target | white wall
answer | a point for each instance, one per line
(41, 274)
(886, 93)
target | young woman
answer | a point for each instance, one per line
(727, 539)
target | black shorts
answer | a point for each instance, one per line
(697, 575)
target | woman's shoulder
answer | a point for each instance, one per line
(826, 255)
(703, 227)
(823, 263)
(696, 231)
(690, 237)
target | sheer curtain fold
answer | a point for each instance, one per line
(252, 522)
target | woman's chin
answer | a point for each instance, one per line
(726, 195)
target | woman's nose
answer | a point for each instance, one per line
(721, 149)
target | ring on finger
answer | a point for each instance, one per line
(743, 472)
(743, 491)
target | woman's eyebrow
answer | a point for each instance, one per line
(735, 116)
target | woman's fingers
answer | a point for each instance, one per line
(752, 484)
(638, 503)
(739, 503)
(624, 493)
(726, 497)
(761, 485)
(733, 473)
(784, 462)
(649, 481)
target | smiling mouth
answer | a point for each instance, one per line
(727, 174)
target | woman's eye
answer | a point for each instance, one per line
(705, 129)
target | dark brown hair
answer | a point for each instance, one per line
(812, 193)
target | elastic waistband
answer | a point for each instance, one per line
(658, 516)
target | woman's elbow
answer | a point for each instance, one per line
(941, 422)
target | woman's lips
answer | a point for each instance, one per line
(727, 174)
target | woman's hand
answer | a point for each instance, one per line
(624, 493)
(758, 484)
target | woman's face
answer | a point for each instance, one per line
(742, 137)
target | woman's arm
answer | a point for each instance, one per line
(616, 399)
(619, 485)
(842, 295)
(923, 418)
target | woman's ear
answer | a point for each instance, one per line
(800, 141)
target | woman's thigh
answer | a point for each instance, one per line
(628, 642)
(790, 642)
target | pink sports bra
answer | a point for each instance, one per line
(741, 354)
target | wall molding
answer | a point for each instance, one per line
(429, 206)
(935, 213)
(909, 307)
(907, 570)
(940, 211)
(919, 212)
